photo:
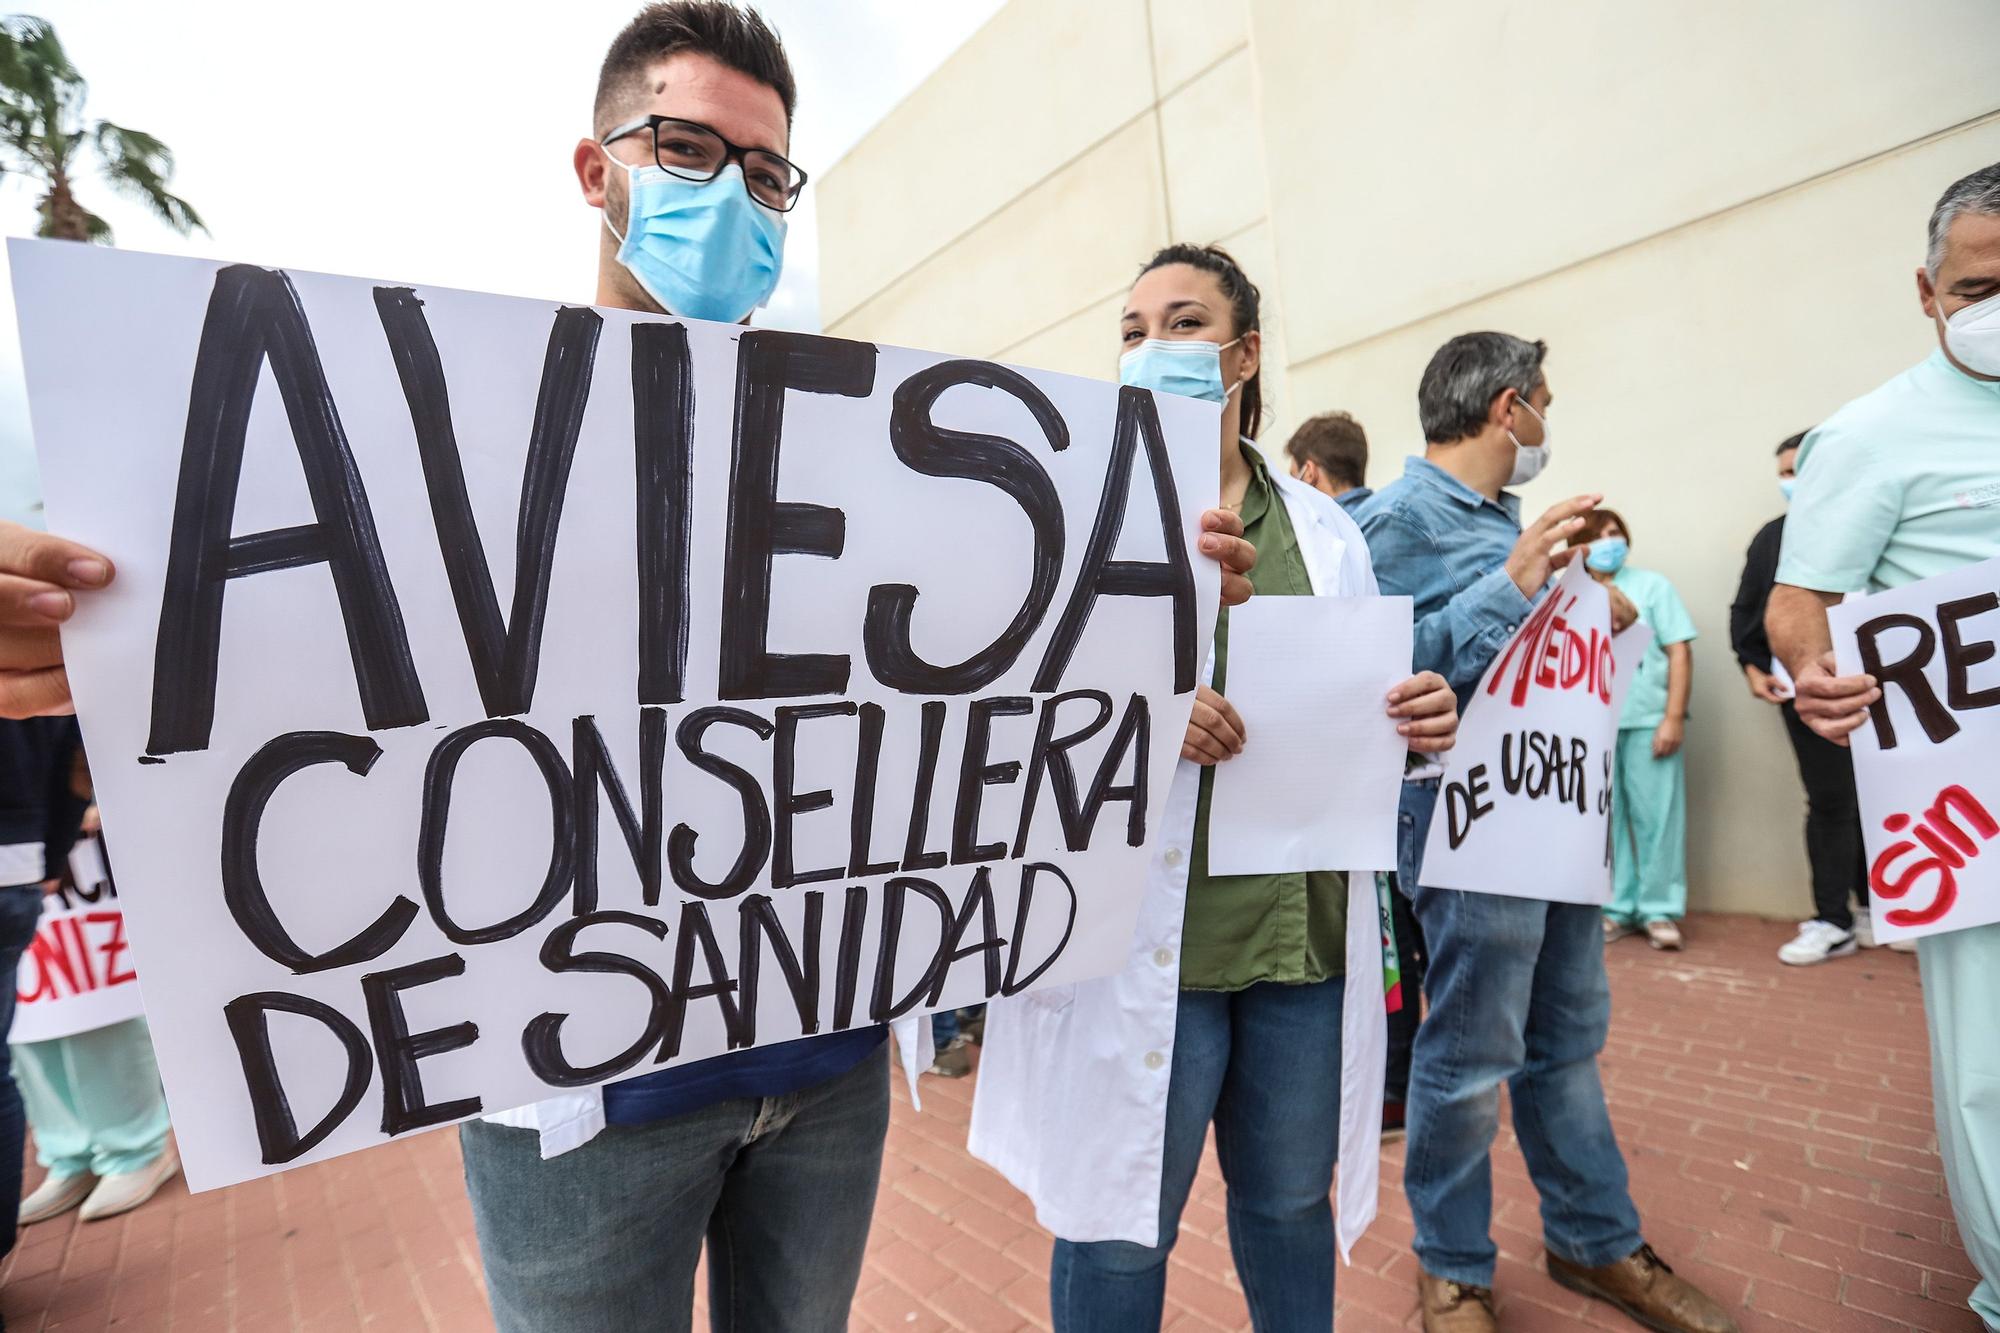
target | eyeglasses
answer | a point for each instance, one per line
(694, 152)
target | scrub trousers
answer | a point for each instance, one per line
(94, 1100)
(1648, 833)
(1961, 972)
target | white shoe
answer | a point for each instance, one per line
(1864, 929)
(1816, 942)
(128, 1189)
(55, 1196)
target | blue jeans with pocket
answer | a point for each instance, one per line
(20, 913)
(606, 1236)
(1263, 1064)
(1518, 995)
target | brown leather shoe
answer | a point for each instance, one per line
(1453, 1307)
(1643, 1287)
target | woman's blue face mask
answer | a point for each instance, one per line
(703, 249)
(1189, 367)
(1607, 556)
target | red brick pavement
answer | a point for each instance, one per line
(1777, 1123)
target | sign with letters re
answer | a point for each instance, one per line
(498, 696)
(1525, 806)
(76, 975)
(1927, 761)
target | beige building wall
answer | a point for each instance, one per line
(1712, 211)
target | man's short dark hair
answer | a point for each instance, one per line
(1334, 443)
(738, 38)
(1465, 376)
(1790, 442)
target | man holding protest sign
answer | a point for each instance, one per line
(1900, 490)
(1517, 987)
(772, 1153)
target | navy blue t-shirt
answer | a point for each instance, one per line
(762, 1071)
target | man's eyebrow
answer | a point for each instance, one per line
(1975, 283)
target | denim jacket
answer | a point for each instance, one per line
(1444, 545)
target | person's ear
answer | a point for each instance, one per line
(1250, 356)
(593, 173)
(1926, 293)
(1501, 412)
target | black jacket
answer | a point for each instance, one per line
(38, 802)
(1746, 613)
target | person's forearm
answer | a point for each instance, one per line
(1680, 680)
(1795, 621)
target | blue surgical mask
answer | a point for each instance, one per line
(1186, 366)
(704, 249)
(1786, 485)
(1607, 556)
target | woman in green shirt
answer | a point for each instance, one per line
(1231, 1010)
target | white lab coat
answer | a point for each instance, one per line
(1071, 1104)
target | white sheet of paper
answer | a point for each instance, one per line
(1316, 785)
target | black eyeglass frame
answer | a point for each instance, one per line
(731, 152)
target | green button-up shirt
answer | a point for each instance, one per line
(1243, 929)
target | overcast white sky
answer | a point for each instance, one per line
(421, 140)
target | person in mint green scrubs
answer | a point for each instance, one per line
(1903, 484)
(1649, 798)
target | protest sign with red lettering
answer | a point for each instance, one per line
(1525, 807)
(77, 974)
(500, 697)
(1925, 764)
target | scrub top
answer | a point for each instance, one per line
(1899, 485)
(1660, 610)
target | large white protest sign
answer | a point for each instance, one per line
(1322, 765)
(498, 696)
(1525, 809)
(1927, 763)
(76, 975)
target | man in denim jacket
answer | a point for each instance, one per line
(1517, 988)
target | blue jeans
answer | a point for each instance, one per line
(1264, 1065)
(20, 913)
(1518, 996)
(606, 1236)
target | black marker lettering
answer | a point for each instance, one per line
(541, 1041)
(505, 656)
(935, 451)
(1104, 576)
(787, 803)
(278, 1136)
(242, 881)
(1907, 675)
(663, 435)
(975, 775)
(768, 364)
(756, 847)
(397, 1050)
(439, 775)
(645, 832)
(255, 316)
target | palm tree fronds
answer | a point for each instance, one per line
(139, 166)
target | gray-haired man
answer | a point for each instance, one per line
(1516, 987)
(1903, 484)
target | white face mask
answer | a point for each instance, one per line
(1972, 336)
(1529, 460)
